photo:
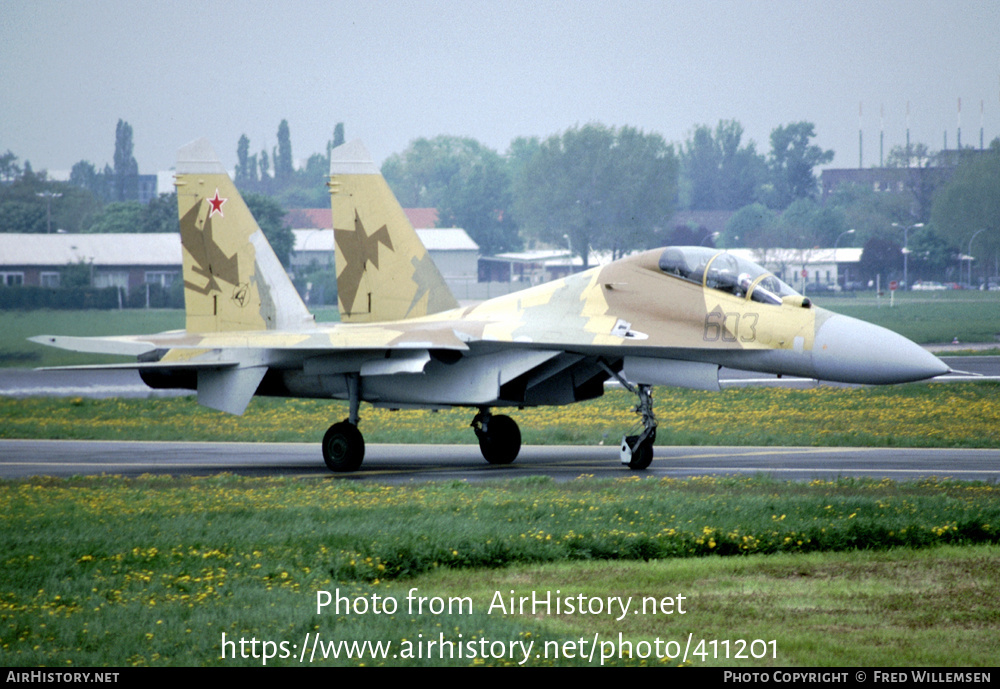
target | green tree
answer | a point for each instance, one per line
(870, 213)
(126, 168)
(265, 171)
(76, 275)
(753, 226)
(792, 161)
(717, 171)
(481, 206)
(970, 204)
(160, 214)
(926, 172)
(246, 165)
(86, 176)
(910, 156)
(22, 216)
(931, 257)
(9, 169)
(307, 188)
(598, 187)
(283, 169)
(120, 216)
(23, 208)
(270, 217)
(881, 257)
(465, 181)
(806, 224)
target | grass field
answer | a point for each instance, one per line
(153, 571)
(927, 317)
(926, 415)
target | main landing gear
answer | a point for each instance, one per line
(499, 437)
(637, 450)
(343, 447)
(343, 444)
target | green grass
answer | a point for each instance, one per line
(152, 571)
(899, 607)
(18, 326)
(927, 415)
(927, 317)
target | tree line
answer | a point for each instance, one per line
(591, 187)
(106, 201)
(594, 187)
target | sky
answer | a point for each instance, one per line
(395, 71)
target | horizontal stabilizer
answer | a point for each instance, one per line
(148, 366)
(125, 346)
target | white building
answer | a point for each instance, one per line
(808, 269)
(452, 250)
(115, 260)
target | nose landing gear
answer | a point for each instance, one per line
(637, 450)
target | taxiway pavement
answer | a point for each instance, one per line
(403, 463)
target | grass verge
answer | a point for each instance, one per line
(927, 317)
(153, 571)
(928, 415)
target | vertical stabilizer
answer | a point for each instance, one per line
(232, 279)
(384, 273)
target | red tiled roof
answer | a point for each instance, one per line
(309, 219)
(423, 218)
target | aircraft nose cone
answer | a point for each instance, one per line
(847, 350)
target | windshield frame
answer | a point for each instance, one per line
(739, 277)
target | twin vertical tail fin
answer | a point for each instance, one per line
(234, 282)
(232, 279)
(384, 273)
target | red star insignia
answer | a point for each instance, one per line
(216, 204)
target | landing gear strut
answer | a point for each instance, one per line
(343, 444)
(499, 437)
(637, 450)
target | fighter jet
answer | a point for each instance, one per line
(670, 316)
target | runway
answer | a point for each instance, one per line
(404, 463)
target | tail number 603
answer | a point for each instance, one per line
(730, 327)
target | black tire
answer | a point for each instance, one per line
(501, 442)
(343, 447)
(642, 456)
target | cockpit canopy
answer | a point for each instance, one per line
(724, 271)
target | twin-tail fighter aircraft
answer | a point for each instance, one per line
(670, 316)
